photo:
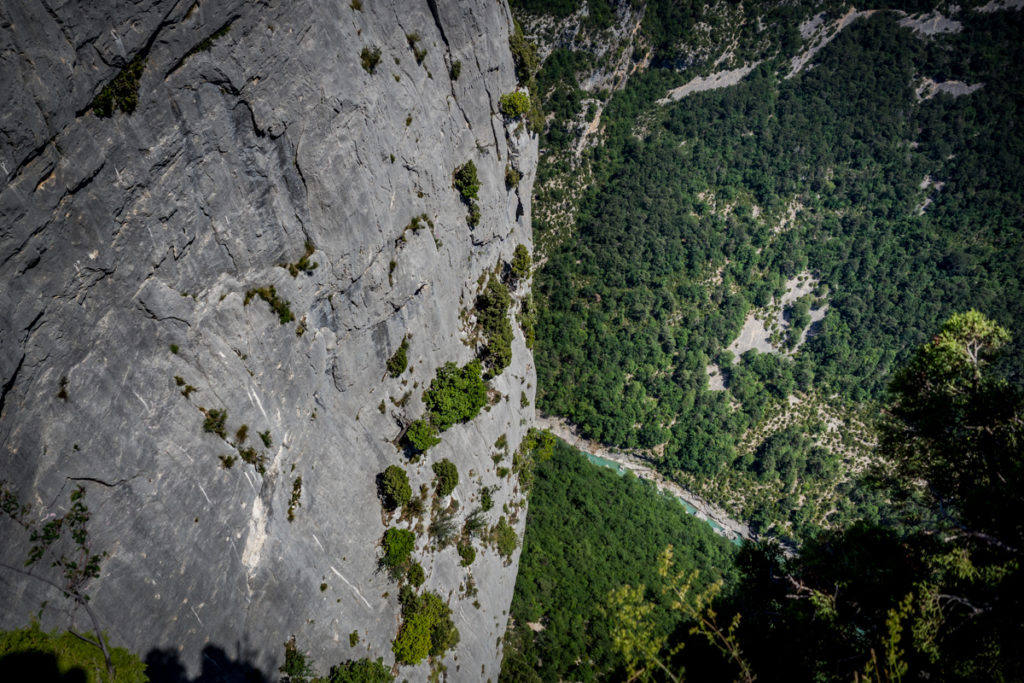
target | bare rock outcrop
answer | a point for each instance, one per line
(157, 271)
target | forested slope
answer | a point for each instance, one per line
(900, 207)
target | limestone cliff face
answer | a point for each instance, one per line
(128, 245)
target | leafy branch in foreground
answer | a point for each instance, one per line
(77, 564)
(636, 635)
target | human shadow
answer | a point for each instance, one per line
(164, 666)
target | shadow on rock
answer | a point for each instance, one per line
(164, 666)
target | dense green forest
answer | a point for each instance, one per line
(589, 532)
(935, 596)
(676, 240)
(888, 444)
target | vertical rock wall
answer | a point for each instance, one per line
(127, 247)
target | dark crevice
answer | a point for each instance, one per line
(9, 384)
(32, 156)
(86, 180)
(103, 483)
(32, 325)
(432, 4)
(252, 114)
(203, 45)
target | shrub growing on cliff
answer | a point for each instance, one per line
(370, 58)
(123, 91)
(416, 575)
(447, 476)
(455, 394)
(363, 670)
(215, 422)
(527, 62)
(296, 668)
(303, 265)
(394, 488)
(427, 629)
(444, 528)
(524, 55)
(398, 362)
(512, 177)
(514, 104)
(521, 262)
(492, 313)
(466, 181)
(420, 52)
(505, 538)
(467, 553)
(279, 305)
(398, 545)
(421, 435)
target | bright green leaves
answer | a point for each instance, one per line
(421, 435)
(427, 628)
(514, 104)
(398, 545)
(455, 394)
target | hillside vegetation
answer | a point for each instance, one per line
(903, 209)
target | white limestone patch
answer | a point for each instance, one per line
(1000, 5)
(715, 380)
(926, 184)
(720, 79)
(818, 33)
(930, 24)
(929, 88)
(788, 219)
(760, 326)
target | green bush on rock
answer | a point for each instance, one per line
(398, 545)
(394, 488)
(447, 476)
(514, 104)
(427, 628)
(421, 435)
(455, 394)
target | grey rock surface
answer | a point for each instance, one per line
(127, 247)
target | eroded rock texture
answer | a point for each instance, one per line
(127, 247)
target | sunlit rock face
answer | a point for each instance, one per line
(145, 357)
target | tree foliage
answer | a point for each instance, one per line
(492, 314)
(677, 238)
(427, 628)
(398, 545)
(421, 435)
(395, 489)
(935, 596)
(455, 394)
(25, 654)
(447, 476)
(589, 532)
(955, 424)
